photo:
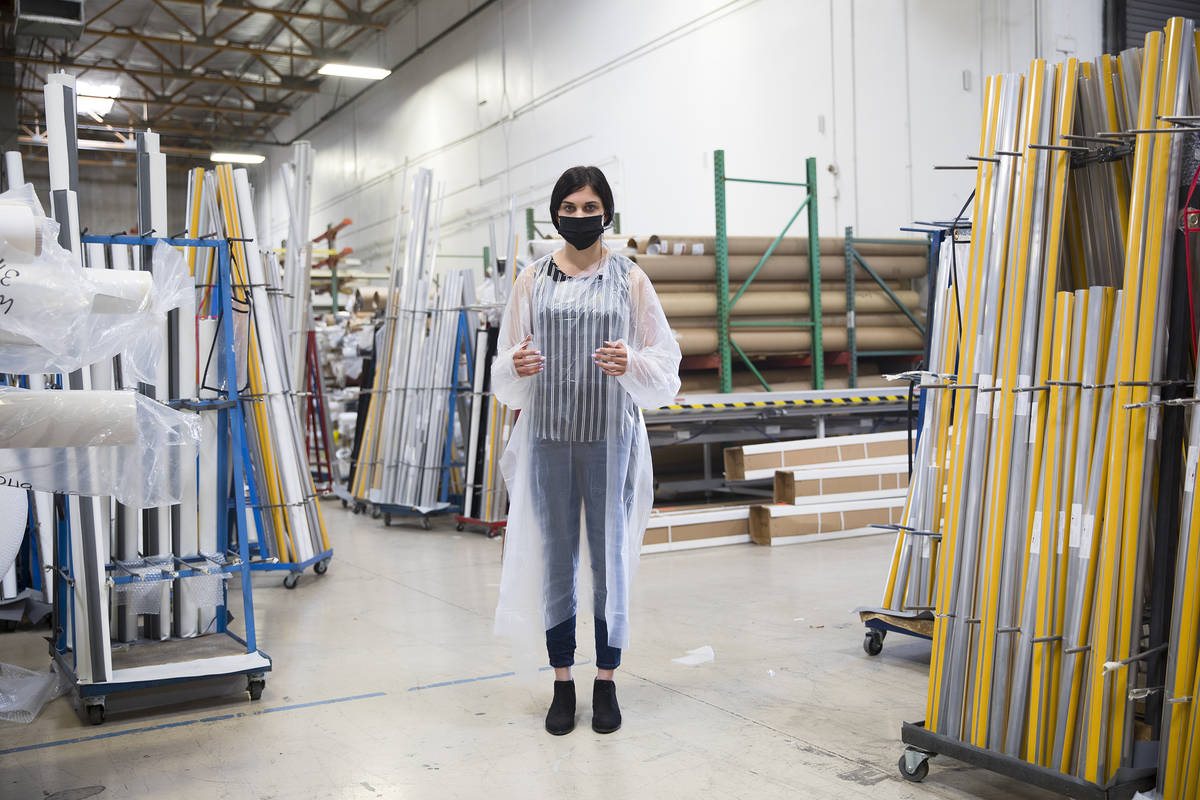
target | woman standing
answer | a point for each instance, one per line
(584, 346)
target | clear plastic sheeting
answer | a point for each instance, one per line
(104, 443)
(579, 444)
(205, 590)
(56, 316)
(24, 693)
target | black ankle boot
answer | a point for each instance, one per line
(606, 715)
(560, 719)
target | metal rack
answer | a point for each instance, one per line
(924, 744)
(855, 258)
(878, 620)
(175, 669)
(460, 387)
(725, 343)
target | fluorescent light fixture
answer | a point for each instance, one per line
(96, 98)
(352, 71)
(238, 158)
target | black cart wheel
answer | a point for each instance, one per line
(873, 642)
(426, 524)
(918, 773)
(291, 579)
(345, 504)
(387, 520)
(459, 527)
(375, 513)
(95, 714)
(255, 687)
(321, 567)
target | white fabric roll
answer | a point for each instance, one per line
(67, 419)
(121, 292)
(19, 228)
(14, 512)
(14, 168)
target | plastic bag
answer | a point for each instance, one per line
(56, 316)
(24, 693)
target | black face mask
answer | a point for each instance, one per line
(581, 232)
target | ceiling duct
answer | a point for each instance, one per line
(55, 19)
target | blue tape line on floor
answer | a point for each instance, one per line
(186, 722)
(481, 678)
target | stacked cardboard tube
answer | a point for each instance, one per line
(684, 272)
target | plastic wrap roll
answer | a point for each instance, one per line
(58, 317)
(121, 444)
(19, 227)
(786, 267)
(121, 292)
(765, 304)
(67, 419)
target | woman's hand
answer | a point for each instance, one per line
(528, 362)
(612, 358)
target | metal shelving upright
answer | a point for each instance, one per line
(725, 303)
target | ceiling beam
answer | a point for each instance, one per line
(298, 85)
(166, 101)
(360, 19)
(195, 134)
(209, 43)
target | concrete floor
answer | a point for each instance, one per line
(388, 683)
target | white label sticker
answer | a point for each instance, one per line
(1189, 482)
(1033, 422)
(1152, 433)
(850, 319)
(983, 400)
(1088, 529)
(1076, 524)
(1024, 399)
(698, 249)
(679, 248)
(1062, 530)
(1035, 535)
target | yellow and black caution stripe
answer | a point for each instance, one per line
(883, 399)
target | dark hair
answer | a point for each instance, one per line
(575, 179)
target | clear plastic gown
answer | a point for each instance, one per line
(573, 407)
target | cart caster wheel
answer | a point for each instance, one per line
(95, 714)
(873, 643)
(918, 772)
(459, 527)
(345, 504)
(426, 524)
(255, 687)
(387, 520)
(375, 513)
(290, 580)
(321, 567)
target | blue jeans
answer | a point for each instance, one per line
(566, 477)
(560, 645)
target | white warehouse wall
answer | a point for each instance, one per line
(877, 90)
